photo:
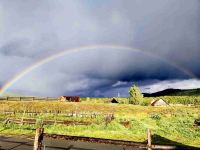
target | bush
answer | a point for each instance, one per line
(155, 116)
(39, 123)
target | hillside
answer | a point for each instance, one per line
(174, 92)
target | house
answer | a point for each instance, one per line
(159, 102)
(114, 100)
(70, 98)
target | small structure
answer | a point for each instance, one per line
(70, 98)
(159, 102)
(197, 122)
(114, 101)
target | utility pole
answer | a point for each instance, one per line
(118, 95)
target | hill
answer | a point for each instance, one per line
(174, 92)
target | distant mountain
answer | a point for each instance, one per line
(174, 92)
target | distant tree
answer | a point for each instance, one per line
(135, 95)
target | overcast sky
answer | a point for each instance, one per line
(166, 31)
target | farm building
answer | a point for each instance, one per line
(114, 100)
(70, 98)
(159, 102)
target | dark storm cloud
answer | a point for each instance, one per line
(31, 30)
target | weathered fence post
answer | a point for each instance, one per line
(22, 121)
(149, 146)
(38, 139)
(6, 121)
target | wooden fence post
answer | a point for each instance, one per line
(149, 146)
(22, 121)
(38, 139)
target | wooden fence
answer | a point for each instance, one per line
(39, 136)
(43, 122)
(24, 98)
(69, 114)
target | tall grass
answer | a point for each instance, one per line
(173, 123)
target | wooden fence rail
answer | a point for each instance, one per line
(44, 122)
(38, 141)
(40, 134)
(23, 98)
(70, 114)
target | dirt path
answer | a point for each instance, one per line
(20, 143)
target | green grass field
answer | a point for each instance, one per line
(170, 125)
(195, 100)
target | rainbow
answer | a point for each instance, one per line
(85, 48)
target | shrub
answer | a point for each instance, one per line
(39, 123)
(155, 116)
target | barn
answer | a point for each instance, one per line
(70, 98)
(159, 102)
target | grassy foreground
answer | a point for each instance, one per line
(170, 125)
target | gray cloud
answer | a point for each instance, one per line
(33, 30)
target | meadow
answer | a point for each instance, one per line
(170, 125)
(185, 100)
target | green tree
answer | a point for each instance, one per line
(135, 95)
